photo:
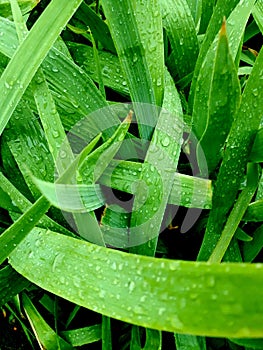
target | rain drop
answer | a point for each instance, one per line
(54, 69)
(131, 286)
(165, 142)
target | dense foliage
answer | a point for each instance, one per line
(131, 192)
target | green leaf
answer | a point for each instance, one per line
(18, 230)
(256, 154)
(45, 335)
(33, 49)
(106, 333)
(213, 107)
(236, 214)
(242, 235)
(94, 165)
(254, 212)
(153, 340)
(207, 12)
(126, 35)
(72, 198)
(237, 16)
(83, 336)
(11, 283)
(77, 97)
(114, 225)
(240, 140)
(189, 342)
(23, 204)
(176, 296)
(28, 144)
(97, 26)
(195, 7)
(251, 249)
(258, 14)
(180, 27)
(150, 30)
(25, 5)
(194, 192)
(249, 343)
(156, 181)
(110, 67)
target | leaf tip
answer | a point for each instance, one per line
(128, 119)
(223, 27)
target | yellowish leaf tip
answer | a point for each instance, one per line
(128, 119)
(223, 28)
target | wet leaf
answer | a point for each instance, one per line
(11, 283)
(217, 98)
(180, 28)
(181, 296)
(239, 144)
(18, 74)
(45, 335)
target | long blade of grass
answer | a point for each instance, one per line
(214, 109)
(239, 144)
(196, 11)
(29, 147)
(15, 233)
(25, 5)
(237, 16)
(189, 342)
(180, 27)
(45, 335)
(98, 27)
(76, 97)
(181, 296)
(207, 12)
(110, 67)
(151, 35)
(258, 14)
(106, 333)
(130, 47)
(236, 215)
(34, 48)
(195, 192)
(83, 336)
(153, 340)
(158, 172)
(23, 204)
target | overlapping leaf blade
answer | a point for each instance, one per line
(239, 144)
(14, 81)
(214, 108)
(237, 15)
(45, 335)
(180, 28)
(131, 49)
